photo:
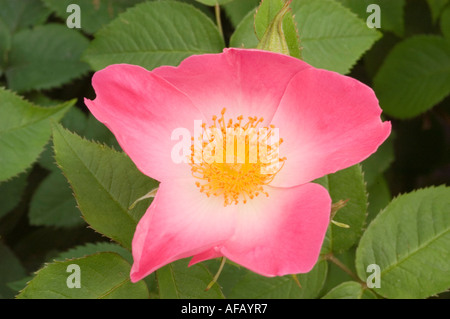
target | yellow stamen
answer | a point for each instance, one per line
(254, 160)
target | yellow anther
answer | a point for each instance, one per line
(244, 178)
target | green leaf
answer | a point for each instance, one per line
(93, 248)
(415, 76)
(410, 243)
(74, 120)
(347, 184)
(436, 7)
(53, 204)
(55, 59)
(274, 25)
(11, 193)
(88, 127)
(97, 131)
(391, 13)
(10, 269)
(39, 98)
(24, 131)
(22, 14)
(238, 9)
(254, 286)
(350, 290)
(244, 35)
(178, 281)
(105, 183)
(102, 276)
(200, 6)
(265, 13)
(153, 34)
(94, 13)
(331, 36)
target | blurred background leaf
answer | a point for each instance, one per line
(147, 36)
(55, 59)
(24, 131)
(415, 76)
(409, 241)
(105, 183)
(17, 15)
(10, 270)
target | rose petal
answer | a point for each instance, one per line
(181, 222)
(283, 233)
(206, 255)
(142, 110)
(328, 122)
(246, 82)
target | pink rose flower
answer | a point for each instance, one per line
(271, 223)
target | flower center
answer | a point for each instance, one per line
(235, 159)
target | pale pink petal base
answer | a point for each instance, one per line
(181, 222)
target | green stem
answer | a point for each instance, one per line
(338, 263)
(217, 274)
(218, 19)
(152, 194)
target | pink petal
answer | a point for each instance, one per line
(181, 222)
(283, 233)
(206, 255)
(246, 82)
(142, 110)
(328, 122)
